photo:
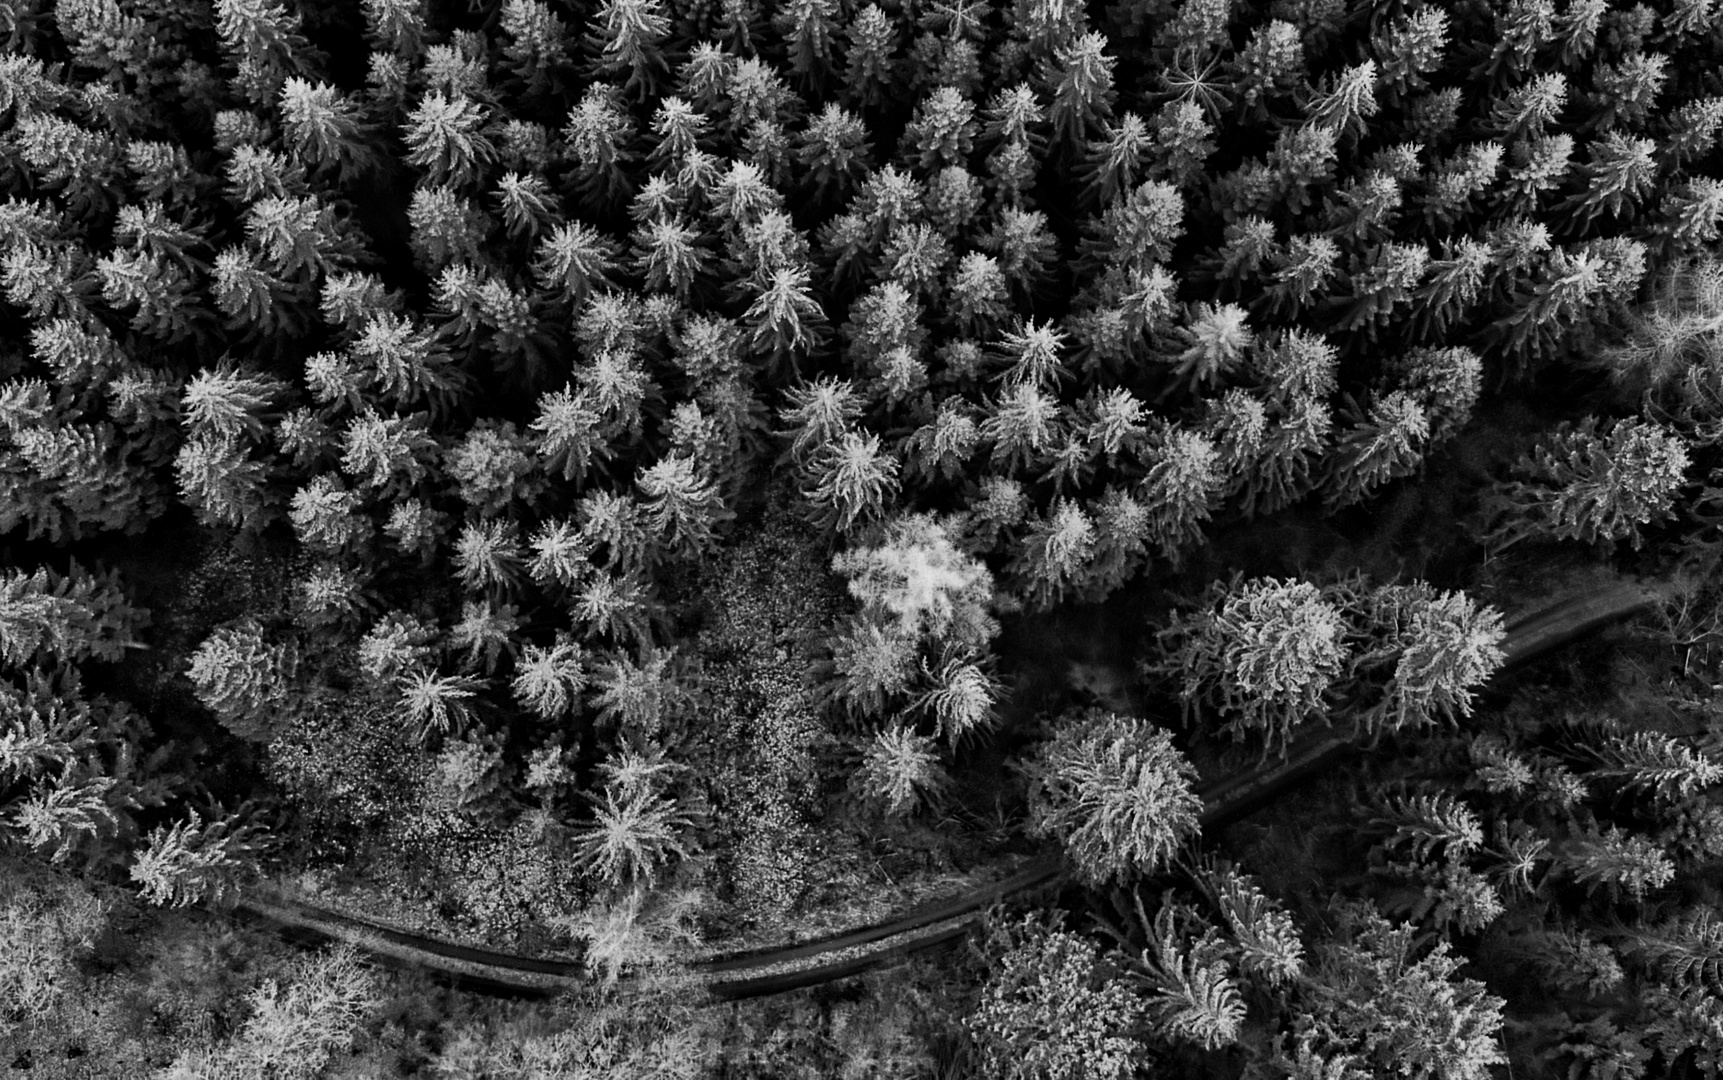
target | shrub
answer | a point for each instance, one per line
(1115, 793)
(1053, 1009)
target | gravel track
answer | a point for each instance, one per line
(758, 972)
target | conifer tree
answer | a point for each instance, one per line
(1260, 655)
(1193, 997)
(436, 704)
(599, 135)
(633, 834)
(1383, 444)
(682, 506)
(244, 679)
(853, 479)
(626, 37)
(266, 42)
(549, 681)
(224, 484)
(195, 860)
(869, 69)
(1409, 49)
(537, 46)
(1583, 483)
(324, 128)
(901, 771)
(1115, 793)
(1079, 77)
(1182, 487)
(387, 455)
(1052, 560)
(1442, 646)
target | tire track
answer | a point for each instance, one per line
(758, 972)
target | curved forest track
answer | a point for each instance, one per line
(758, 972)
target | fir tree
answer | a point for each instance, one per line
(1259, 656)
(1193, 997)
(869, 69)
(682, 507)
(599, 135)
(1585, 484)
(852, 480)
(488, 556)
(1183, 486)
(1270, 66)
(1410, 48)
(486, 631)
(537, 47)
(1080, 79)
(1386, 443)
(436, 704)
(834, 151)
(387, 455)
(901, 771)
(223, 484)
(244, 679)
(1617, 861)
(325, 517)
(549, 681)
(632, 836)
(575, 260)
(265, 41)
(195, 860)
(325, 129)
(1053, 559)
(627, 36)
(1115, 793)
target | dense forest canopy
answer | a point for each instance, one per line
(626, 480)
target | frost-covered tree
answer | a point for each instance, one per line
(326, 516)
(1054, 1006)
(266, 42)
(549, 681)
(1386, 443)
(1115, 793)
(1590, 483)
(1257, 656)
(72, 616)
(626, 37)
(224, 484)
(682, 507)
(436, 704)
(244, 678)
(326, 129)
(916, 576)
(901, 771)
(445, 137)
(195, 860)
(494, 467)
(387, 455)
(852, 479)
(1431, 650)
(1375, 992)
